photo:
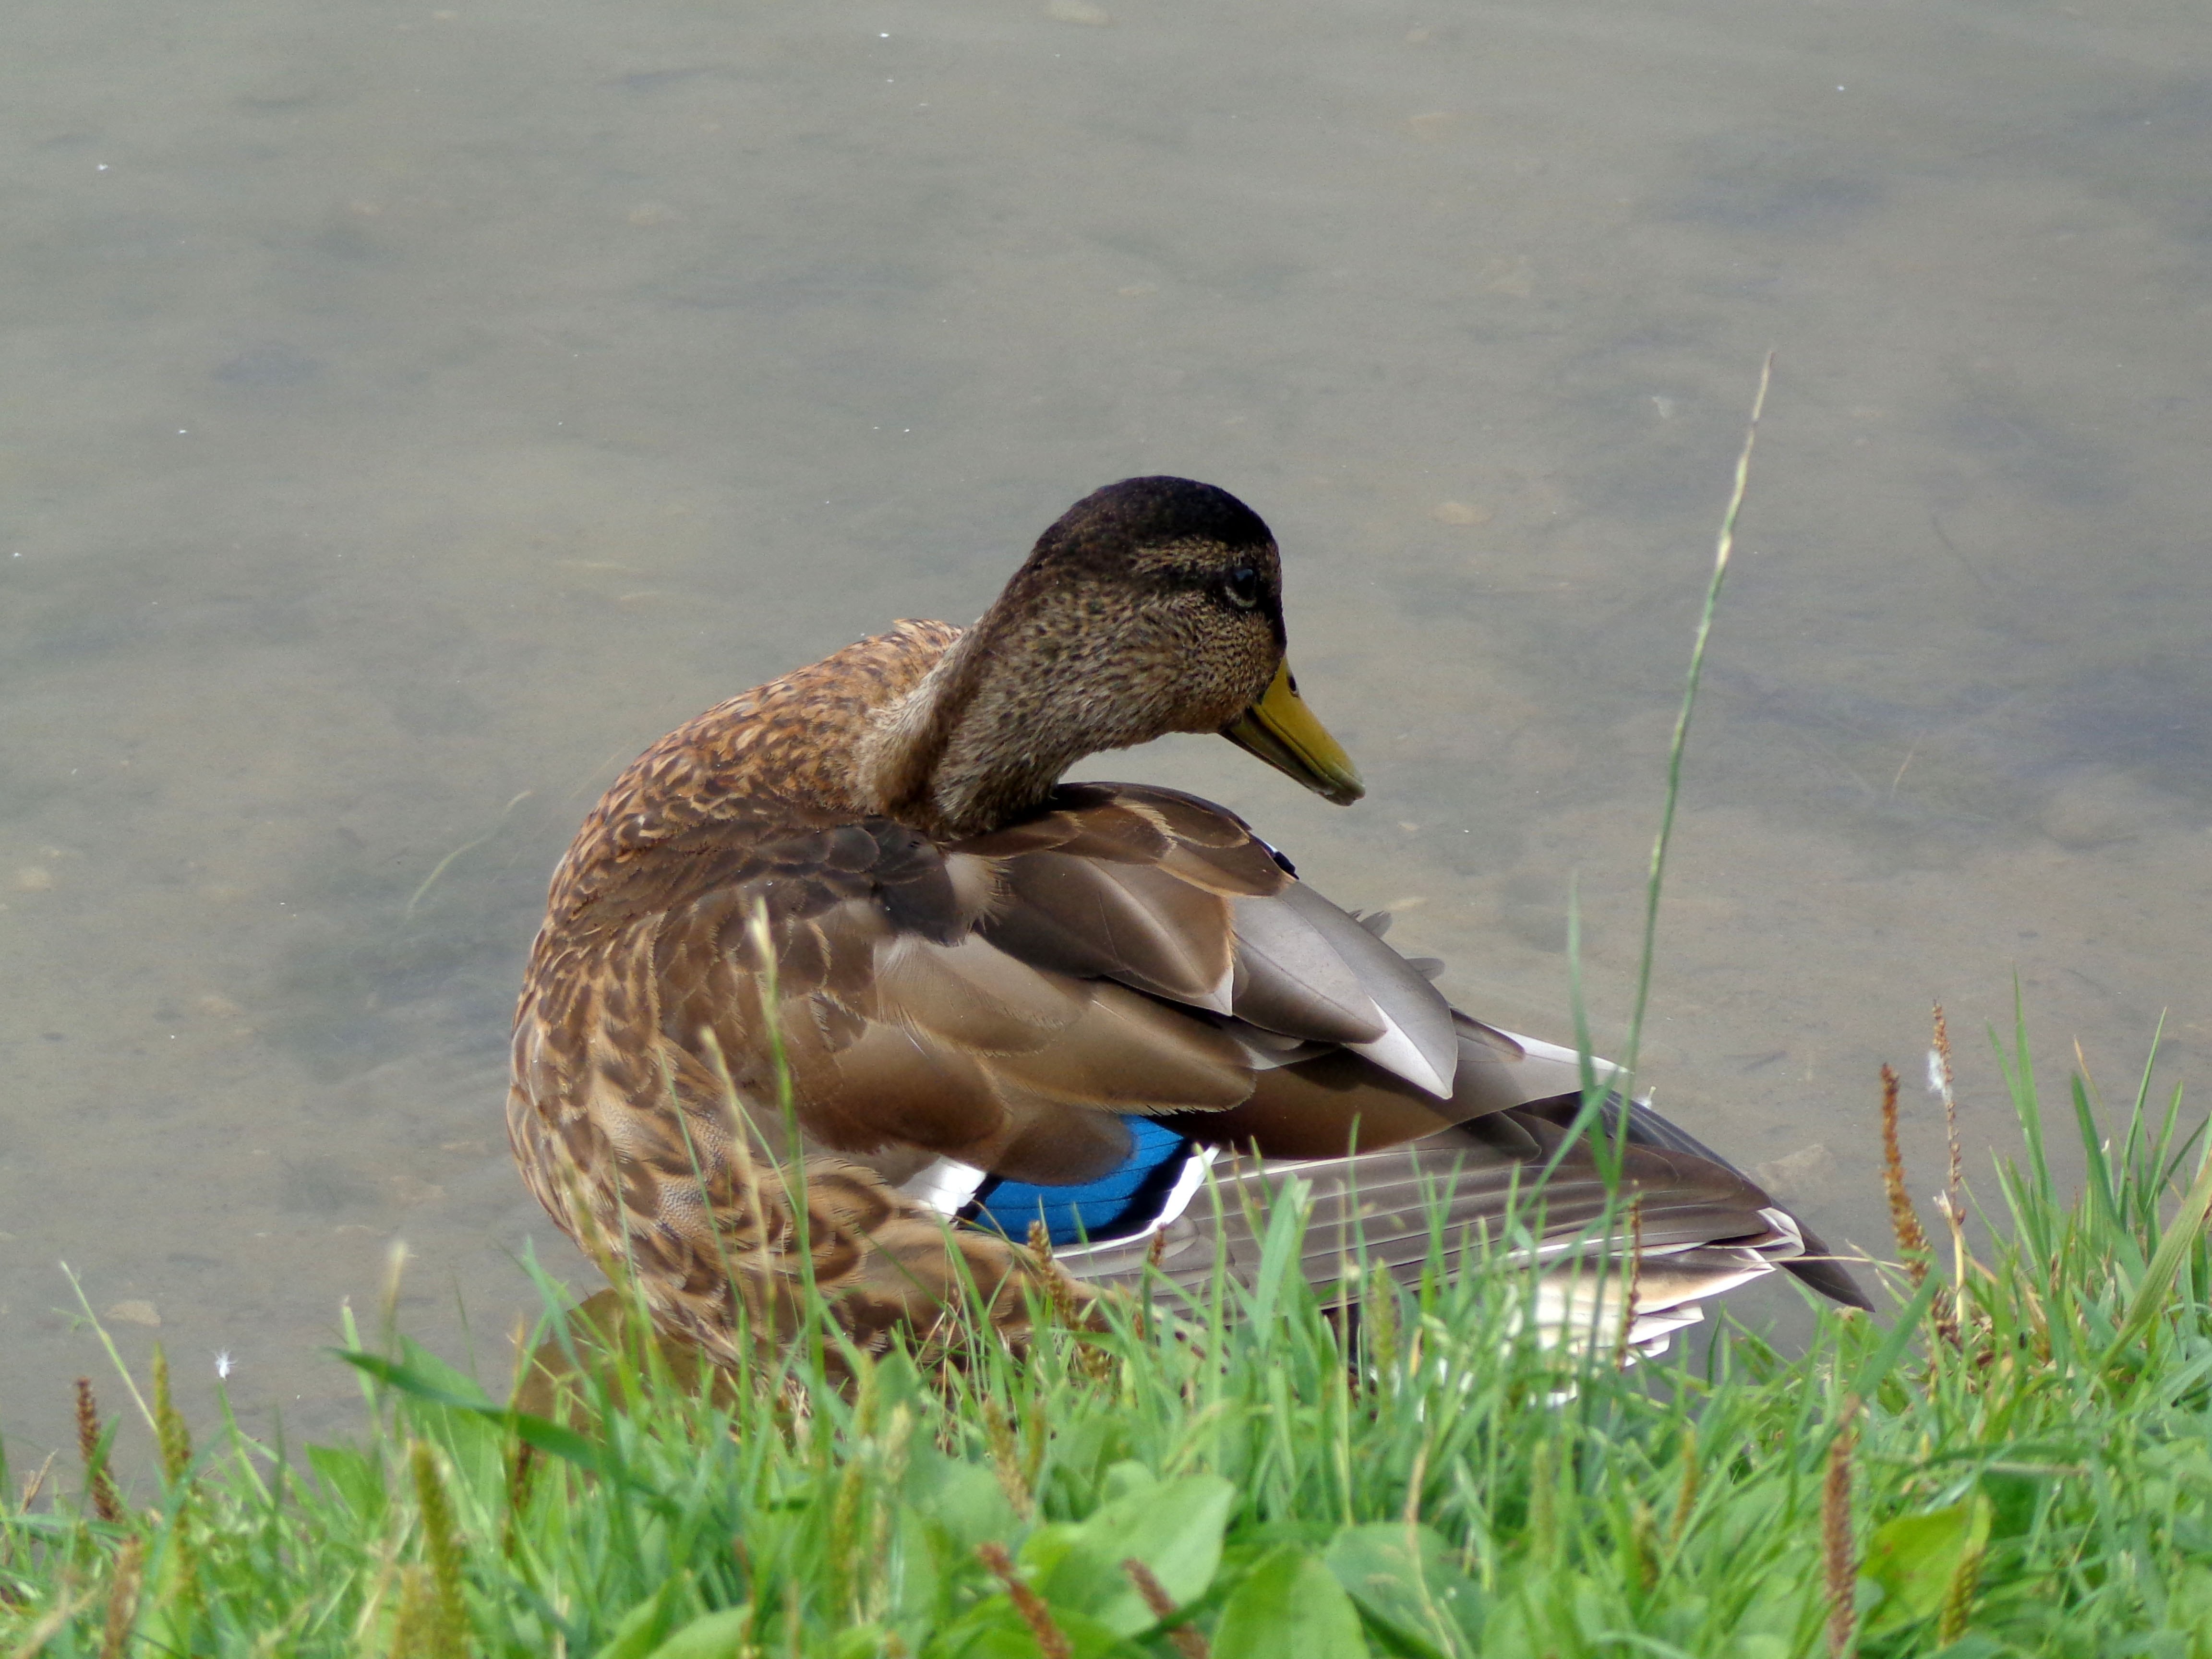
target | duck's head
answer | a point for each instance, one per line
(1153, 605)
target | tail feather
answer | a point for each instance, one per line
(1697, 1227)
(1819, 1267)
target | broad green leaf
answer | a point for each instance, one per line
(993, 1630)
(1973, 1646)
(1290, 1605)
(1091, 1639)
(1123, 1479)
(1173, 1528)
(1914, 1558)
(427, 1365)
(1009, 1640)
(963, 1499)
(862, 1642)
(1403, 1579)
(926, 1567)
(1047, 1547)
(2015, 1493)
(1086, 1459)
(717, 1635)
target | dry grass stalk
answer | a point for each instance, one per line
(1625, 1355)
(388, 1300)
(1006, 1460)
(66, 1608)
(1904, 1219)
(1953, 1200)
(1379, 1323)
(518, 1338)
(413, 1628)
(35, 1483)
(447, 1632)
(1687, 1501)
(1052, 1642)
(174, 1441)
(1417, 1477)
(1959, 1595)
(1644, 1543)
(848, 1565)
(521, 1470)
(98, 1487)
(1188, 1642)
(1073, 1307)
(1838, 1546)
(169, 1429)
(1037, 1440)
(123, 1599)
(1955, 1186)
(1944, 1314)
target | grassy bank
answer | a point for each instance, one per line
(2016, 1461)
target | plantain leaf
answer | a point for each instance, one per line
(1915, 1558)
(1404, 1580)
(718, 1635)
(1290, 1604)
(1174, 1528)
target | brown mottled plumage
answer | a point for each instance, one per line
(981, 976)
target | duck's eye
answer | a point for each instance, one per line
(1242, 587)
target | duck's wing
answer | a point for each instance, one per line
(908, 1035)
(1015, 1003)
(1064, 1017)
(1363, 1077)
(1178, 899)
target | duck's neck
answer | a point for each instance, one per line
(965, 750)
(1016, 701)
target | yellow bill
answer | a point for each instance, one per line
(1281, 730)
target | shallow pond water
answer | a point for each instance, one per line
(407, 414)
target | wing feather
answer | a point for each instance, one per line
(973, 995)
(1377, 1209)
(1135, 923)
(1290, 977)
(1132, 1054)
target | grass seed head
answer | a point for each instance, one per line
(99, 1486)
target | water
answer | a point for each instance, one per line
(411, 413)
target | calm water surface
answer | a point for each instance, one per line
(405, 415)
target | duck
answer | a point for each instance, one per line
(842, 990)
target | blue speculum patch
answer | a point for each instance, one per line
(1112, 1206)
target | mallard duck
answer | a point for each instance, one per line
(848, 933)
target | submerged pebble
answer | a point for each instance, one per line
(1799, 1175)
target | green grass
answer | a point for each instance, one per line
(2020, 1460)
